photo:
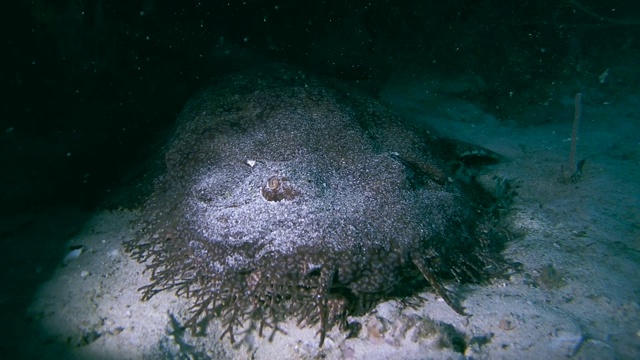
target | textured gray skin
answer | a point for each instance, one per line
(359, 205)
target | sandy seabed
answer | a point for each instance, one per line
(576, 295)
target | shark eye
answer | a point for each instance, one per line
(273, 182)
(277, 189)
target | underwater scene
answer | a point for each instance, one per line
(320, 180)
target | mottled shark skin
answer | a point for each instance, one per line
(290, 196)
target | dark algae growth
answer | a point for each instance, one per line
(288, 196)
